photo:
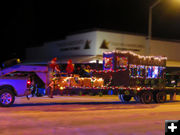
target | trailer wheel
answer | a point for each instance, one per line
(124, 98)
(7, 98)
(160, 97)
(146, 97)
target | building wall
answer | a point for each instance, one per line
(165, 48)
(79, 44)
(117, 41)
(96, 42)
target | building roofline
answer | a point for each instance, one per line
(165, 39)
(104, 30)
(121, 32)
(112, 31)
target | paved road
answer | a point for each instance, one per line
(85, 115)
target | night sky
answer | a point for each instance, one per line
(30, 23)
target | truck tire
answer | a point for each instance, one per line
(7, 97)
(160, 97)
(124, 98)
(146, 97)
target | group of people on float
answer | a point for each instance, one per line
(82, 71)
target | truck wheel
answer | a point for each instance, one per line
(124, 98)
(146, 97)
(6, 98)
(160, 97)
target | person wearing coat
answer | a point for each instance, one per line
(70, 67)
(55, 69)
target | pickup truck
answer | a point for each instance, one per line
(17, 80)
(11, 86)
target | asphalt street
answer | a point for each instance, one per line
(86, 115)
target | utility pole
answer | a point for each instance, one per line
(150, 27)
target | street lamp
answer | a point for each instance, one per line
(150, 26)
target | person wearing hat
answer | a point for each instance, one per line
(55, 70)
(70, 67)
(54, 65)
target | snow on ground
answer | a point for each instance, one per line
(85, 115)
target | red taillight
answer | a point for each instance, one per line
(28, 83)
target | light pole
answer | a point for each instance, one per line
(150, 26)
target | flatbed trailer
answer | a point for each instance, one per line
(143, 95)
(127, 75)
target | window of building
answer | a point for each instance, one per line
(87, 44)
(104, 45)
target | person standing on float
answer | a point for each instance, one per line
(70, 68)
(55, 69)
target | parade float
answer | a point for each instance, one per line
(126, 74)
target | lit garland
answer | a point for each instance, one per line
(139, 56)
(67, 83)
(111, 88)
(106, 71)
(79, 82)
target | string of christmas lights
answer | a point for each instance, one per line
(106, 71)
(103, 87)
(110, 88)
(139, 56)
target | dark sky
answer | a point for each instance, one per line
(31, 23)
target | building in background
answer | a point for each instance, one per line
(88, 47)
